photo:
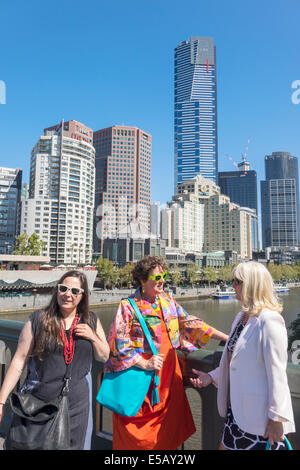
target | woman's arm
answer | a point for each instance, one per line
(97, 338)
(274, 346)
(194, 331)
(219, 335)
(25, 345)
(125, 339)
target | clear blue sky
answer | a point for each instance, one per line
(105, 63)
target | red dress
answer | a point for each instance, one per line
(166, 425)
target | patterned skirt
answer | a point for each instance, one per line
(235, 439)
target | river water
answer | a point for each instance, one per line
(217, 313)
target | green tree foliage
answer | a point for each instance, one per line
(106, 272)
(225, 273)
(125, 274)
(25, 245)
(276, 271)
(210, 274)
(192, 273)
(175, 275)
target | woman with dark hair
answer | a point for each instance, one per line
(166, 425)
(65, 332)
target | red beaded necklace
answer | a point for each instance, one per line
(69, 345)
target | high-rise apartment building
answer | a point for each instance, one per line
(200, 218)
(155, 219)
(10, 194)
(280, 201)
(61, 193)
(241, 187)
(195, 110)
(123, 182)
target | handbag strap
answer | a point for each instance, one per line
(143, 325)
(287, 442)
(155, 395)
(66, 379)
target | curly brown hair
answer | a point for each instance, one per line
(145, 265)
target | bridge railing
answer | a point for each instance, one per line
(203, 402)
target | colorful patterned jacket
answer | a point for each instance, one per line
(126, 338)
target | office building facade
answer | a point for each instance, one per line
(155, 219)
(241, 187)
(123, 182)
(195, 110)
(61, 193)
(280, 201)
(201, 219)
(10, 195)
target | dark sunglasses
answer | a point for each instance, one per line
(158, 277)
(62, 289)
(236, 281)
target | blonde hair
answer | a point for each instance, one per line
(257, 289)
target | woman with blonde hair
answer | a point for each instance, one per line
(253, 392)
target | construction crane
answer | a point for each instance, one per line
(244, 160)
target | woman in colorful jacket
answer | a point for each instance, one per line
(166, 425)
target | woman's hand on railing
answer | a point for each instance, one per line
(202, 380)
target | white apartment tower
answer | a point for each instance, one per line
(61, 193)
(200, 218)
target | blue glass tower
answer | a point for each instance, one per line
(195, 119)
(280, 201)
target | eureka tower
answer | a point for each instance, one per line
(195, 111)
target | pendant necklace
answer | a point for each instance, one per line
(155, 302)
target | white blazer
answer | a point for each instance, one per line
(257, 375)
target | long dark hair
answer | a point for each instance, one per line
(50, 320)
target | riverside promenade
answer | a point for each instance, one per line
(12, 302)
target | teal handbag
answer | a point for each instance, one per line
(287, 442)
(124, 392)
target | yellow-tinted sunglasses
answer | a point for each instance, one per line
(158, 277)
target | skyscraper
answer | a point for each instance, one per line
(61, 193)
(123, 182)
(195, 110)
(280, 201)
(10, 194)
(200, 218)
(241, 187)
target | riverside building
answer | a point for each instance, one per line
(200, 218)
(280, 201)
(241, 187)
(123, 183)
(61, 193)
(195, 110)
(10, 195)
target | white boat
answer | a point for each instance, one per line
(223, 292)
(280, 288)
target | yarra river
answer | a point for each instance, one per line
(218, 313)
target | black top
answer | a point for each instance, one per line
(45, 377)
(235, 335)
